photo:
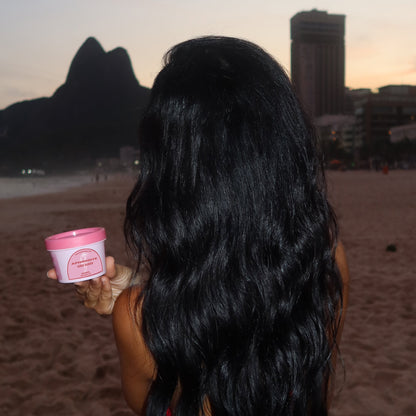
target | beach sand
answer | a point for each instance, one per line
(59, 358)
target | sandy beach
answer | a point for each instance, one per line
(59, 358)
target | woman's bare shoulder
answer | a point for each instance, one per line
(341, 260)
(127, 300)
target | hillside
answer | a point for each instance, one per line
(93, 114)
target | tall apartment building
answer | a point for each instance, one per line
(318, 61)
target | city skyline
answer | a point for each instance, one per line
(39, 39)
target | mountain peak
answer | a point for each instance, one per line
(92, 66)
(91, 42)
(91, 115)
(88, 54)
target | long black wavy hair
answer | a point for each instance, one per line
(230, 210)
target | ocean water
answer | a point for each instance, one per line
(36, 185)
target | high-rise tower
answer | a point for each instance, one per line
(318, 61)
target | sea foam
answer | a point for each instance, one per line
(31, 185)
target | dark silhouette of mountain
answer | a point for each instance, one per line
(90, 116)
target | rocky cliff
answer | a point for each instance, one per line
(93, 114)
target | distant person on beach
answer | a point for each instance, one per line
(238, 301)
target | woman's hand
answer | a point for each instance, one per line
(101, 293)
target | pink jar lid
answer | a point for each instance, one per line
(76, 238)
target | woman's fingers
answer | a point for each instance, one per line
(106, 285)
(110, 266)
(52, 274)
(96, 294)
(105, 302)
(100, 293)
(80, 290)
(92, 292)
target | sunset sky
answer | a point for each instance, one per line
(39, 38)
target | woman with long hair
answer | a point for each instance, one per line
(244, 283)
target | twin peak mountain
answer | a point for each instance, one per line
(94, 113)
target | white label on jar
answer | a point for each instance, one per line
(84, 263)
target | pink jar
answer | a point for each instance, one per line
(78, 255)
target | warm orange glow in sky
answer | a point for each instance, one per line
(38, 39)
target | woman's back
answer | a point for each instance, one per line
(241, 307)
